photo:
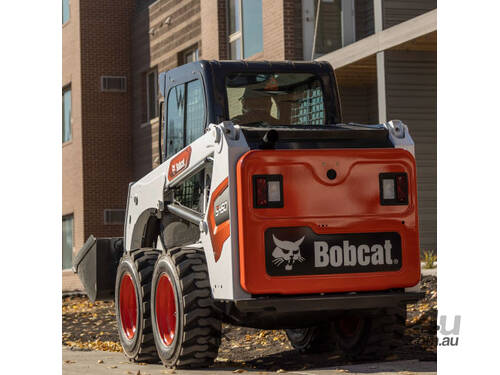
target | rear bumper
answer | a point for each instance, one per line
(325, 303)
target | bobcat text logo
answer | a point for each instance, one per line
(287, 252)
(179, 163)
(350, 255)
(178, 166)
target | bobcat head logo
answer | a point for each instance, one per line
(287, 252)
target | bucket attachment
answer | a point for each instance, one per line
(96, 265)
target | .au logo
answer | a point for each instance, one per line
(448, 337)
(287, 252)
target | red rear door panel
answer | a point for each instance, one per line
(349, 204)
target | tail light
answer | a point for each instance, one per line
(268, 191)
(393, 188)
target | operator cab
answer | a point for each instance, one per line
(258, 94)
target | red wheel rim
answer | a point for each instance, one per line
(128, 306)
(165, 309)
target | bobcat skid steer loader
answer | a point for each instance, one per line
(265, 211)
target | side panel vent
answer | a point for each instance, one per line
(114, 216)
(113, 84)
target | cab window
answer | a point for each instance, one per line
(185, 119)
(185, 115)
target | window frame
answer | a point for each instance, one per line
(72, 217)
(65, 89)
(149, 118)
(69, 13)
(184, 130)
(238, 35)
(166, 128)
(189, 51)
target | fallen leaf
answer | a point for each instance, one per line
(334, 357)
(100, 361)
(392, 357)
(69, 361)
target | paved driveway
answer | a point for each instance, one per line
(97, 363)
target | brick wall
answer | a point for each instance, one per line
(282, 30)
(214, 33)
(293, 29)
(282, 24)
(106, 136)
(274, 31)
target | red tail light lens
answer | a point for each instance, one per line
(393, 188)
(268, 191)
(261, 192)
(402, 188)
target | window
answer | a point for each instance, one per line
(337, 24)
(185, 115)
(152, 95)
(67, 241)
(186, 123)
(66, 114)
(195, 111)
(245, 28)
(189, 55)
(65, 11)
(275, 99)
(175, 120)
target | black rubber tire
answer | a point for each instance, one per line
(139, 264)
(382, 331)
(198, 326)
(317, 339)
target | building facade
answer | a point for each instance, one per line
(383, 51)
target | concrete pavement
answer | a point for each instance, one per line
(100, 363)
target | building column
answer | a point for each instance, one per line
(214, 42)
(381, 92)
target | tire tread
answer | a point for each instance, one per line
(200, 343)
